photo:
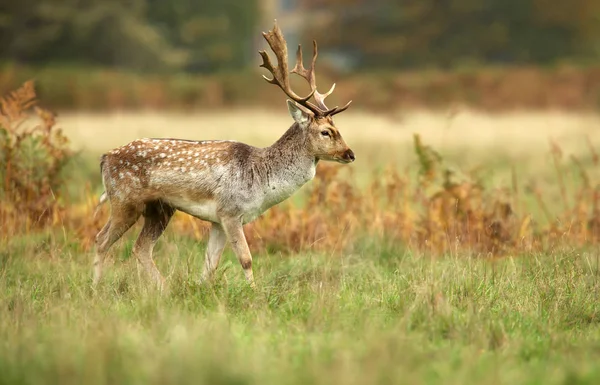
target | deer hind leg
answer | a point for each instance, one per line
(214, 249)
(99, 257)
(235, 234)
(156, 218)
(121, 220)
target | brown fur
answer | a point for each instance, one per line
(224, 182)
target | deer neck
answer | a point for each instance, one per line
(289, 161)
(291, 150)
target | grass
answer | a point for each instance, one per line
(377, 316)
(366, 277)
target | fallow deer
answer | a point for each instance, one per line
(224, 182)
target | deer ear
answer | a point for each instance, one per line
(299, 114)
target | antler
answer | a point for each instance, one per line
(280, 74)
(309, 75)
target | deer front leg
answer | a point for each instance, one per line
(214, 250)
(235, 233)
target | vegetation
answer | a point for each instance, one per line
(488, 89)
(33, 155)
(435, 208)
(494, 55)
(144, 35)
(378, 316)
(457, 33)
(212, 35)
(427, 276)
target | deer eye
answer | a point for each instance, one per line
(325, 133)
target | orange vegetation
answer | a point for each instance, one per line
(435, 212)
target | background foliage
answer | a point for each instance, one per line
(213, 35)
(136, 34)
(414, 33)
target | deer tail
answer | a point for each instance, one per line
(103, 196)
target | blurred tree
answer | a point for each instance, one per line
(446, 33)
(103, 32)
(137, 34)
(217, 33)
(213, 35)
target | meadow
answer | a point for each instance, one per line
(466, 254)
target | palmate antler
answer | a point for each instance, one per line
(281, 75)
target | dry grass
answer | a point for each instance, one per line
(32, 157)
(510, 133)
(419, 199)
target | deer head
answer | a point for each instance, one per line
(324, 141)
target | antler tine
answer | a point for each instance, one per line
(337, 110)
(280, 73)
(309, 75)
(269, 66)
(320, 99)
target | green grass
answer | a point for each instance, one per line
(377, 316)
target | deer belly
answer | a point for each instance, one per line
(205, 210)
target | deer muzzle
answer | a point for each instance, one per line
(348, 156)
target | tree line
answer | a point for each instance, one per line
(450, 33)
(216, 35)
(152, 35)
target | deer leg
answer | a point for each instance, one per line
(214, 250)
(235, 233)
(120, 221)
(99, 257)
(156, 218)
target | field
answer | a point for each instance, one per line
(379, 316)
(378, 284)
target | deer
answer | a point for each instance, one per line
(226, 183)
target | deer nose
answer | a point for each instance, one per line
(349, 155)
